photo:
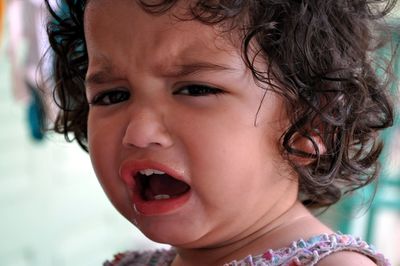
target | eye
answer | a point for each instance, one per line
(197, 90)
(110, 97)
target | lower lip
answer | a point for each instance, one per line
(159, 207)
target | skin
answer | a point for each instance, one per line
(244, 198)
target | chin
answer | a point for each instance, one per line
(174, 234)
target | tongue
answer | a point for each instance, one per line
(166, 185)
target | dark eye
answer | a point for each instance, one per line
(197, 90)
(111, 97)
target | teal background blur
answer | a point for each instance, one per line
(53, 212)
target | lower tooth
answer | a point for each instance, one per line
(162, 196)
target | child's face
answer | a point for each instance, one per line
(176, 97)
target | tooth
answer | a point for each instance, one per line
(148, 172)
(156, 172)
(161, 196)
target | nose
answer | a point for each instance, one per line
(146, 128)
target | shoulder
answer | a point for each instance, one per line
(322, 250)
(348, 250)
(346, 258)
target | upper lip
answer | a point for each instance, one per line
(129, 169)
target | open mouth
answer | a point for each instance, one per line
(157, 185)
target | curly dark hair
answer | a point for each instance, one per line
(321, 53)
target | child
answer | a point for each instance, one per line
(215, 126)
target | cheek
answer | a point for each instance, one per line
(101, 157)
(104, 138)
(103, 151)
(98, 141)
(230, 158)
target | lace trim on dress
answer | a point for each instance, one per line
(299, 253)
(312, 251)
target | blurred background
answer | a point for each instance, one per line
(54, 212)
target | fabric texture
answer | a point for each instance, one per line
(300, 252)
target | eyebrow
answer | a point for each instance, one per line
(105, 72)
(99, 77)
(195, 67)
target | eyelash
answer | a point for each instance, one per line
(116, 96)
(110, 97)
(197, 90)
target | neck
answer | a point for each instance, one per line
(278, 233)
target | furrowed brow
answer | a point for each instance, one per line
(193, 68)
(98, 77)
(102, 74)
(105, 72)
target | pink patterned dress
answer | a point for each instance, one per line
(300, 252)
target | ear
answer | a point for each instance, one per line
(305, 149)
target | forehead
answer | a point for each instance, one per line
(123, 27)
